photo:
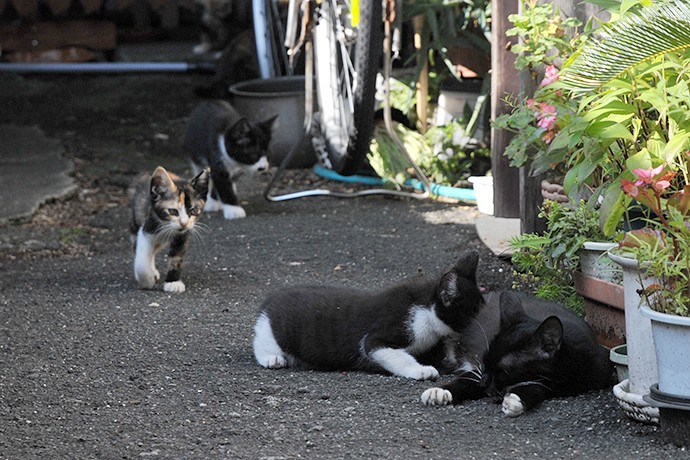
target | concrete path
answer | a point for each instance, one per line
(33, 171)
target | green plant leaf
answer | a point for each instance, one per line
(607, 129)
(640, 35)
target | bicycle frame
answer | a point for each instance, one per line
(305, 40)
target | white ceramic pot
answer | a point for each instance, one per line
(672, 344)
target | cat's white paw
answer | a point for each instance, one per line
(424, 373)
(201, 48)
(212, 205)
(145, 278)
(174, 286)
(437, 397)
(156, 274)
(512, 405)
(274, 362)
(233, 212)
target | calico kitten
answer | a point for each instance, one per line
(525, 350)
(340, 328)
(165, 209)
(218, 137)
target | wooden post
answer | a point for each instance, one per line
(504, 80)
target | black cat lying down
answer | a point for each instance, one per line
(339, 328)
(525, 350)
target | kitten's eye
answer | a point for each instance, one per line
(173, 212)
(194, 211)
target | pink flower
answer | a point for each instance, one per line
(550, 75)
(630, 188)
(548, 137)
(548, 109)
(655, 177)
(547, 122)
(647, 175)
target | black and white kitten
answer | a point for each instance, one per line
(217, 136)
(525, 350)
(165, 209)
(340, 328)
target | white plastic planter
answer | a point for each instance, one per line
(484, 193)
(672, 344)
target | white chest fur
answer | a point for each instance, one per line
(426, 330)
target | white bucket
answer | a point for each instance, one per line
(484, 191)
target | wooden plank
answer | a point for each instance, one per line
(42, 36)
(58, 7)
(503, 81)
(91, 6)
(25, 7)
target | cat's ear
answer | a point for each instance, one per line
(160, 182)
(269, 124)
(512, 310)
(467, 263)
(549, 336)
(461, 280)
(240, 132)
(200, 182)
(448, 289)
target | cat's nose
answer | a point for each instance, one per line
(262, 164)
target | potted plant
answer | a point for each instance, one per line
(664, 247)
(661, 251)
(632, 79)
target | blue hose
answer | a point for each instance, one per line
(465, 194)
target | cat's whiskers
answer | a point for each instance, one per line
(475, 373)
(486, 337)
(471, 377)
(526, 383)
(199, 230)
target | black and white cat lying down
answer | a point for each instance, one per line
(340, 328)
(525, 350)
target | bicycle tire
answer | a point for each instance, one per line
(345, 101)
(268, 37)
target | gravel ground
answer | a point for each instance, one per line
(92, 367)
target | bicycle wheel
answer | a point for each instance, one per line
(346, 63)
(268, 38)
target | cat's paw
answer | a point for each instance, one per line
(274, 362)
(201, 48)
(233, 212)
(437, 397)
(174, 286)
(146, 278)
(156, 274)
(424, 373)
(212, 205)
(512, 405)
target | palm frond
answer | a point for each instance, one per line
(639, 36)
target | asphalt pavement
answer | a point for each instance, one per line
(93, 367)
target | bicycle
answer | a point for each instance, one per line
(343, 42)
